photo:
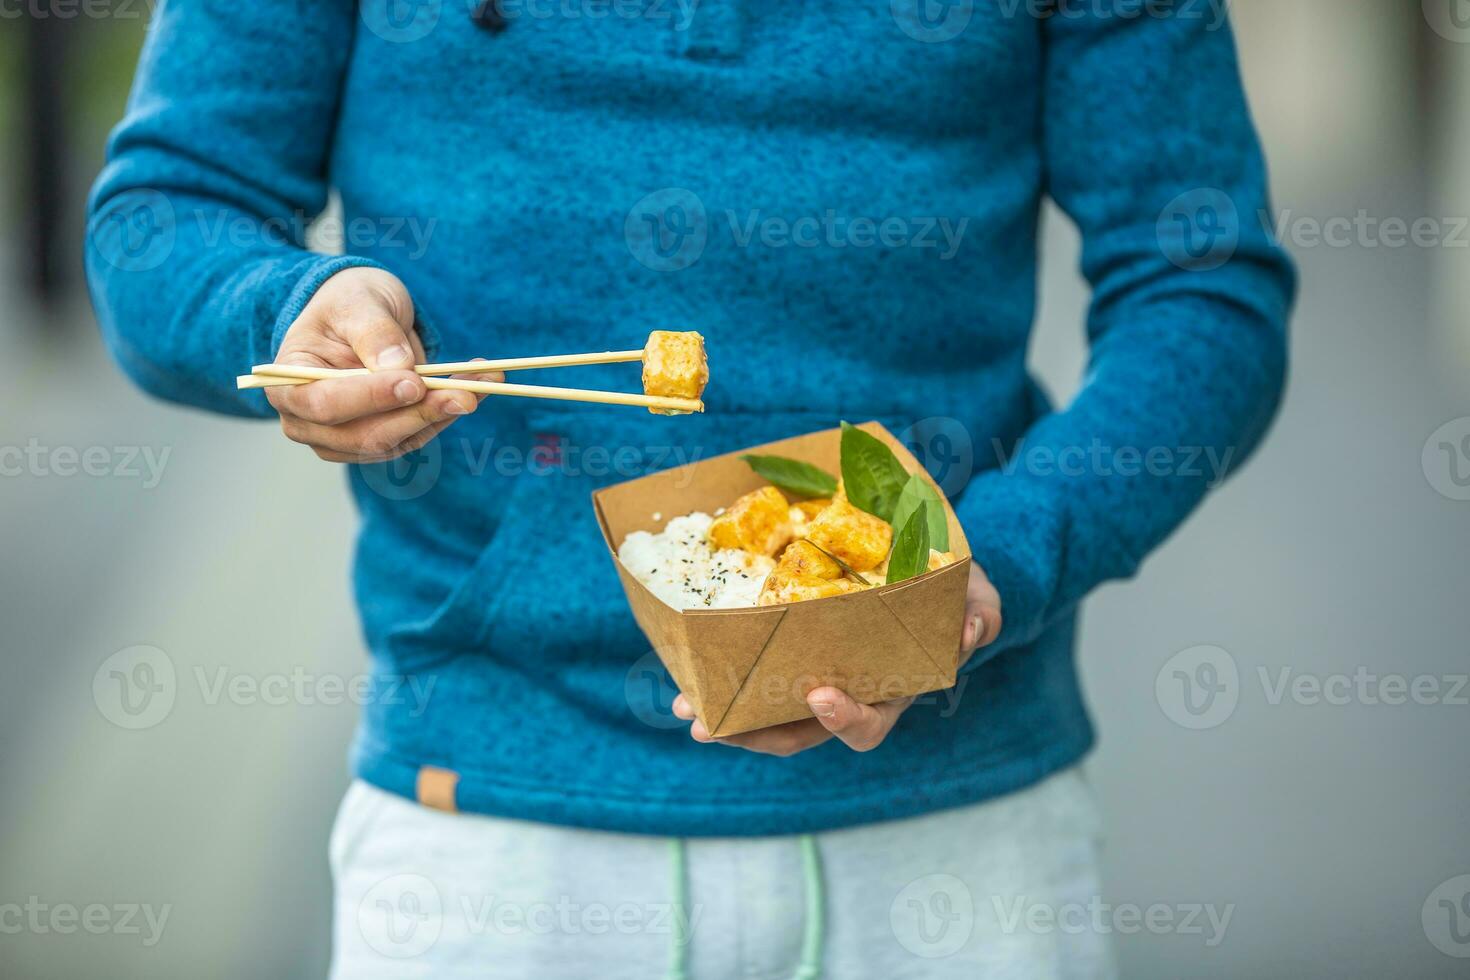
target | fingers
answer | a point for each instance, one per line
(362, 317)
(982, 613)
(862, 727)
(358, 318)
(383, 435)
(374, 330)
(338, 400)
(779, 740)
(487, 376)
(416, 441)
(981, 628)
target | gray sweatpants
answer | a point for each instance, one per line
(979, 891)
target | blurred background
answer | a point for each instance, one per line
(1333, 825)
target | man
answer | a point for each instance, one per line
(843, 199)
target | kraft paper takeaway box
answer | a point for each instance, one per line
(745, 669)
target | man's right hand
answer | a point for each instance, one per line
(363, 318)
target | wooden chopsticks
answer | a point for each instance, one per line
(273, 375)
(453, 367)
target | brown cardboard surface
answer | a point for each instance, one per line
(745, 669)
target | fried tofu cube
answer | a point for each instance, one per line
(804, 558)
(938, 559)
(855, 536)
(801, 565)
(674, 366)
(802, 513)
(811, 508)
(758, 522)
(800, 588)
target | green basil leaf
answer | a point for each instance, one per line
(910, 555)
(802, 479)
(872, 476)
(916, 493)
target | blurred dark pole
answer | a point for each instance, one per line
(42, 201)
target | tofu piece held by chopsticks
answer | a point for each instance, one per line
(674, 366)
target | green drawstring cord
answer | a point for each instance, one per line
(679, 955)
(812, 940)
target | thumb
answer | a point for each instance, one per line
(982, 613)
(377, 322)
(861, 726)
(379, 341)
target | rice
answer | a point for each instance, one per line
(679, 566)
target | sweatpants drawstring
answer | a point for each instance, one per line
(679, 869)
(813, 939)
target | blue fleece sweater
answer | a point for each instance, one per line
(843, 199)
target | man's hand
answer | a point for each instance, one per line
(861, 726)
(362, 318)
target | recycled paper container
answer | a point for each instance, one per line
(745, 669)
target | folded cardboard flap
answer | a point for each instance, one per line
(745, 669)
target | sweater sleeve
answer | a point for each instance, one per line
(195, 246)
(1148, 146)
